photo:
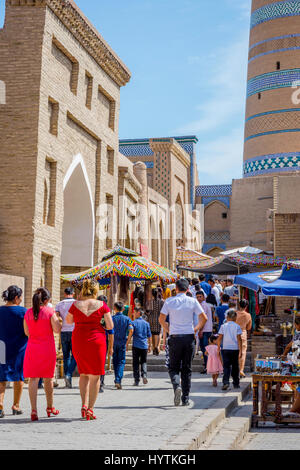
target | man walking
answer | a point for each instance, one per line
(204, 285)
(214, 290)
(62, 309)
(122, 325)
(181, 311)
(141, 334)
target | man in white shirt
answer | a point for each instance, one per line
(208, 327)
(215, 291)
(181, 311)
(231, 290)
(62, 309)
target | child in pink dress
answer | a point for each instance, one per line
(214, 363)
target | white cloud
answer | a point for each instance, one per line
(220, 126)
(227, 81)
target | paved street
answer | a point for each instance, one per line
(131, 419)
(273, 439)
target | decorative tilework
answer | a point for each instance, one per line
(273, 80)
(136, 150)
(216, 236)
(141, 148)
(225, 200)
(149, 164)
(272, 163)
(214, 190)
(261, 134)
(286, 36)
(279, 111)
(273, 52)
(275, 10)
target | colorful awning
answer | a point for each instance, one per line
(123, 263)
(189, 255)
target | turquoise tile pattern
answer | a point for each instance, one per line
(272, 81)
(276, 10)
(265, 164)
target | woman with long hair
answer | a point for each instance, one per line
(40, 324)
(91, 317)
(153, 317)
(13, 343)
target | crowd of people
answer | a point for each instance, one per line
(190, 316)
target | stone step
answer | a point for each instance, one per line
(231, 433)
(205, 427)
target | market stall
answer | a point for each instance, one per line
(120, 267)
(275, 381)
(234, 263)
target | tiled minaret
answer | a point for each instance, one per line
(272, 130)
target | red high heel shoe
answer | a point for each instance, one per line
(52, 411)
(84, 412)
(90, 415)
(34, 416)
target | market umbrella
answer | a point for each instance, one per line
(189, 255)
(123, 263)
(237, 263)
(285, 283)
(244, 249)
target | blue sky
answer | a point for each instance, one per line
(188, 60)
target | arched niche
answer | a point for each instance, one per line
(79, 218)
(215, 251)
(179, 222)
(216, 217)
(154, 241)
(163, 245)
(2, 92)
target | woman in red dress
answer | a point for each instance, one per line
(89, 343)
(40, 323)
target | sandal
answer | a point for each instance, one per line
(52, 411)
(34, 416)
(16, 411)
(84, 412)
(90, 415)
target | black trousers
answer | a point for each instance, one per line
(139, 358)
(182, 352)
(231, 367)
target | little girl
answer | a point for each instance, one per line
(214, 363)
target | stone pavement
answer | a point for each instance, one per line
(273, 439)
(131, 419)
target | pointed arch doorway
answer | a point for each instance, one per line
(79, 219)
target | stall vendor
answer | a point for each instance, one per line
(295, 338)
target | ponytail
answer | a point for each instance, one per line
(39, 298)
(11, 293)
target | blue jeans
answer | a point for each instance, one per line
(119, 360)
(69, 361)
(204, 341)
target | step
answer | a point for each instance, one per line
(233, 430)
(202, 428)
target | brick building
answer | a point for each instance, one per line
(264, 206)
(67, 193)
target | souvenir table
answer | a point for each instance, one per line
(264, 391)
